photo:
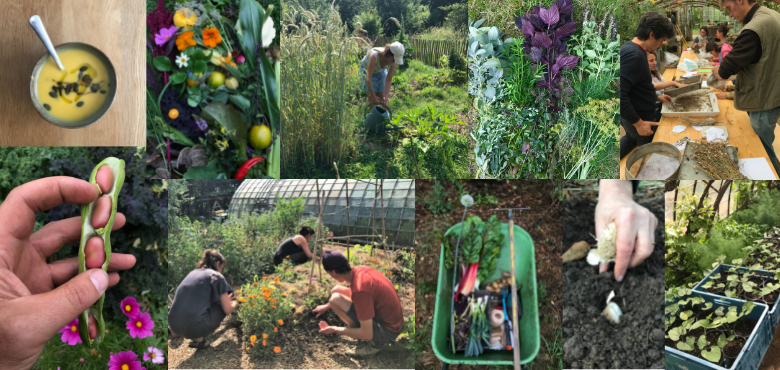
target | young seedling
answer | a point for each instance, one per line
(117, 167)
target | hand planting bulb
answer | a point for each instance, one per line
(612, 312)
(607, 247)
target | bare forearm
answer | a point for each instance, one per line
(615, 189)
(357, 333)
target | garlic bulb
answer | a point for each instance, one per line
(612, 312)
(607, 247)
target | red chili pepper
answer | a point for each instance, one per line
(246, 166)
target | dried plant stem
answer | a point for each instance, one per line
(701, 122)
(715, 162)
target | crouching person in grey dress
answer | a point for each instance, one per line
(202, 301)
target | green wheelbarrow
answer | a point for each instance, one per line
(525, 263)
(377, 120)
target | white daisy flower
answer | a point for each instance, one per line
(181, 60)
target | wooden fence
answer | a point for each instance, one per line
(429, 51)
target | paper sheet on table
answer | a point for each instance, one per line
(681, 145)
(658, 167)
(697, 128)
(678, 129)
(704, 84)
(690, 74)
(756, 169)
(715, 134)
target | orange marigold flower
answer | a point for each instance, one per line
(281, 322)
(253, 344)
(254, 306)
(276, 279)
(264, 342)
(277, 349)
(265, 277)
(273, 300)
(273, 306)
(247, 348)
(264, 310)
(372, 260)
(242, 300)
(184, 40)
(253, 338)
(390, 272)
(276, 329)
(211, 37)
(265, 336)
(255, 283)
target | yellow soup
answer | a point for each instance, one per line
(78, 91)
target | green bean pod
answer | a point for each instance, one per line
(88, 231)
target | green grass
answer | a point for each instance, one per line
(416, 87)
(440, 33)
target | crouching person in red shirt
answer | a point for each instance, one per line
(369, 306)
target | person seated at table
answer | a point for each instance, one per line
(722, 33)
(637, 93)
(702, 39)
(295, 248)
(718, 51)
(659, 83)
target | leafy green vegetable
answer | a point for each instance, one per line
(481, 243)
(219, 114)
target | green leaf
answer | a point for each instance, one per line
(163, 64)
(713, 355)
(702, 342)
(722, 341)
(218, 113)
(251, 16)
(179, 77)
(684, 346)
(171, 133)
(192, 101)
(210, 171)
(199, 66)
(591, 53)
(239, 101)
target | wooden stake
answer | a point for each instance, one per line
(382, 197)
(317, 236)
(347, 185)
(337, 171)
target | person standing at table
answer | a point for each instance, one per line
(755, 59)
(637, 93)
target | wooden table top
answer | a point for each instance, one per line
(116, 27)
(740, 132)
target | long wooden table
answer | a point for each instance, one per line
(740, 132)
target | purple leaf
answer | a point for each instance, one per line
(540, 39)
(535, 55)
(555, 68)
(536, 21)
(549, 16)
(169, 46)
(149, 45)
(567, 61)
(566, 30)
(535, 10)
(527, 28)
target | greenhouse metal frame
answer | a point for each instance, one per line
(370, 213)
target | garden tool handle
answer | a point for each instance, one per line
(516, 324)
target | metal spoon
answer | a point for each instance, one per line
(37, 25)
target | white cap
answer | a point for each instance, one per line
(398, 51)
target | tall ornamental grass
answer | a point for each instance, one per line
(319, 77)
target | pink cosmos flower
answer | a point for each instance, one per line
(140, 326)
(130, 307)
(70, 333)
(155, 354)
(165, 35)
(125, 361)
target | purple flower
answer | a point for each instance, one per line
(165, 35)
(125, 360)
(129, 307)
(155, 354)
(140, 326)
(70, 333)
(202, 125)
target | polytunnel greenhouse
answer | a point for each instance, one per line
(364, 196)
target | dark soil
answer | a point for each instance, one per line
(590, 341)
(732, 348)
(744, 327)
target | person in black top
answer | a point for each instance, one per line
(637, 94)
(296, 248)
(202, 301)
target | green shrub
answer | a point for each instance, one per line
(369, 21)
(457, 66)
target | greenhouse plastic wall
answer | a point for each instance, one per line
(260, 195)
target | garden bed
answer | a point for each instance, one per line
(301, 344)
(590, 341)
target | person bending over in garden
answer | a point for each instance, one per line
(202, 301)
(637, 93)
(370, 306)
(635, 224)
(376, 64)
(295, 248)
(659, 82)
